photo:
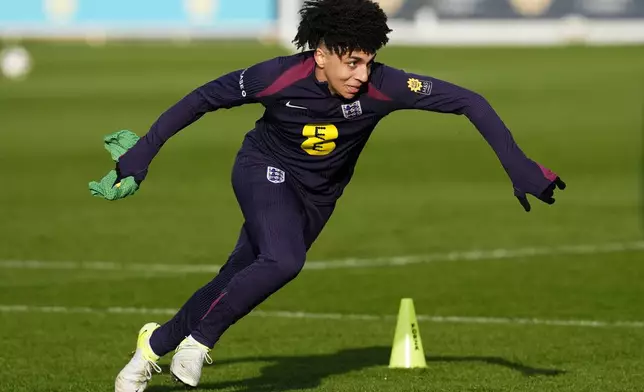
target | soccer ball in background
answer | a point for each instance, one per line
(15, 62)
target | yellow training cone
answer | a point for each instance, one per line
(407, 351)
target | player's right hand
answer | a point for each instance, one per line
(111, 187)
(118, 143)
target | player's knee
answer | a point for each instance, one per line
(292, 268)
(289, 266)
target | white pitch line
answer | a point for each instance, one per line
(473, 255)
(476, 255)
(335, 316)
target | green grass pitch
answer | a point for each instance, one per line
(426, 184)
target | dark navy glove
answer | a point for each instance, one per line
(540, 182)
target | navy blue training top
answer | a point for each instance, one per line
(315, 136)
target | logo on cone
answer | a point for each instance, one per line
(407, 351)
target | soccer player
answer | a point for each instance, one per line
(321, 107)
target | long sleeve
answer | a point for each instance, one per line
(234, 89)
(411, 91)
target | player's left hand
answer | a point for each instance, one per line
(111, 187)
(546, 195)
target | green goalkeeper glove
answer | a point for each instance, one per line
(116, 144)
(108, 190)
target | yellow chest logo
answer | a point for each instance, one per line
(319, 138)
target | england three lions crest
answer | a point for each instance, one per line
(275, 175)
(352, 110)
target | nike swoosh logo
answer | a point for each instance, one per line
(288, 105)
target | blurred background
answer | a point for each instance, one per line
(549, 300)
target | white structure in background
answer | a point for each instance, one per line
(415, 22)
(605, 7)
(530, 27)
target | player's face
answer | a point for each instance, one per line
(345, 74)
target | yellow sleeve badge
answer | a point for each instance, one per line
(419, 86)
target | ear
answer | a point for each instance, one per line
(320, 57)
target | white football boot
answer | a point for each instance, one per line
(135, 375)
(187, 361)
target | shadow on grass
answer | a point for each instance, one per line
(285, 373)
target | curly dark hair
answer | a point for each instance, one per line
(342, 26)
